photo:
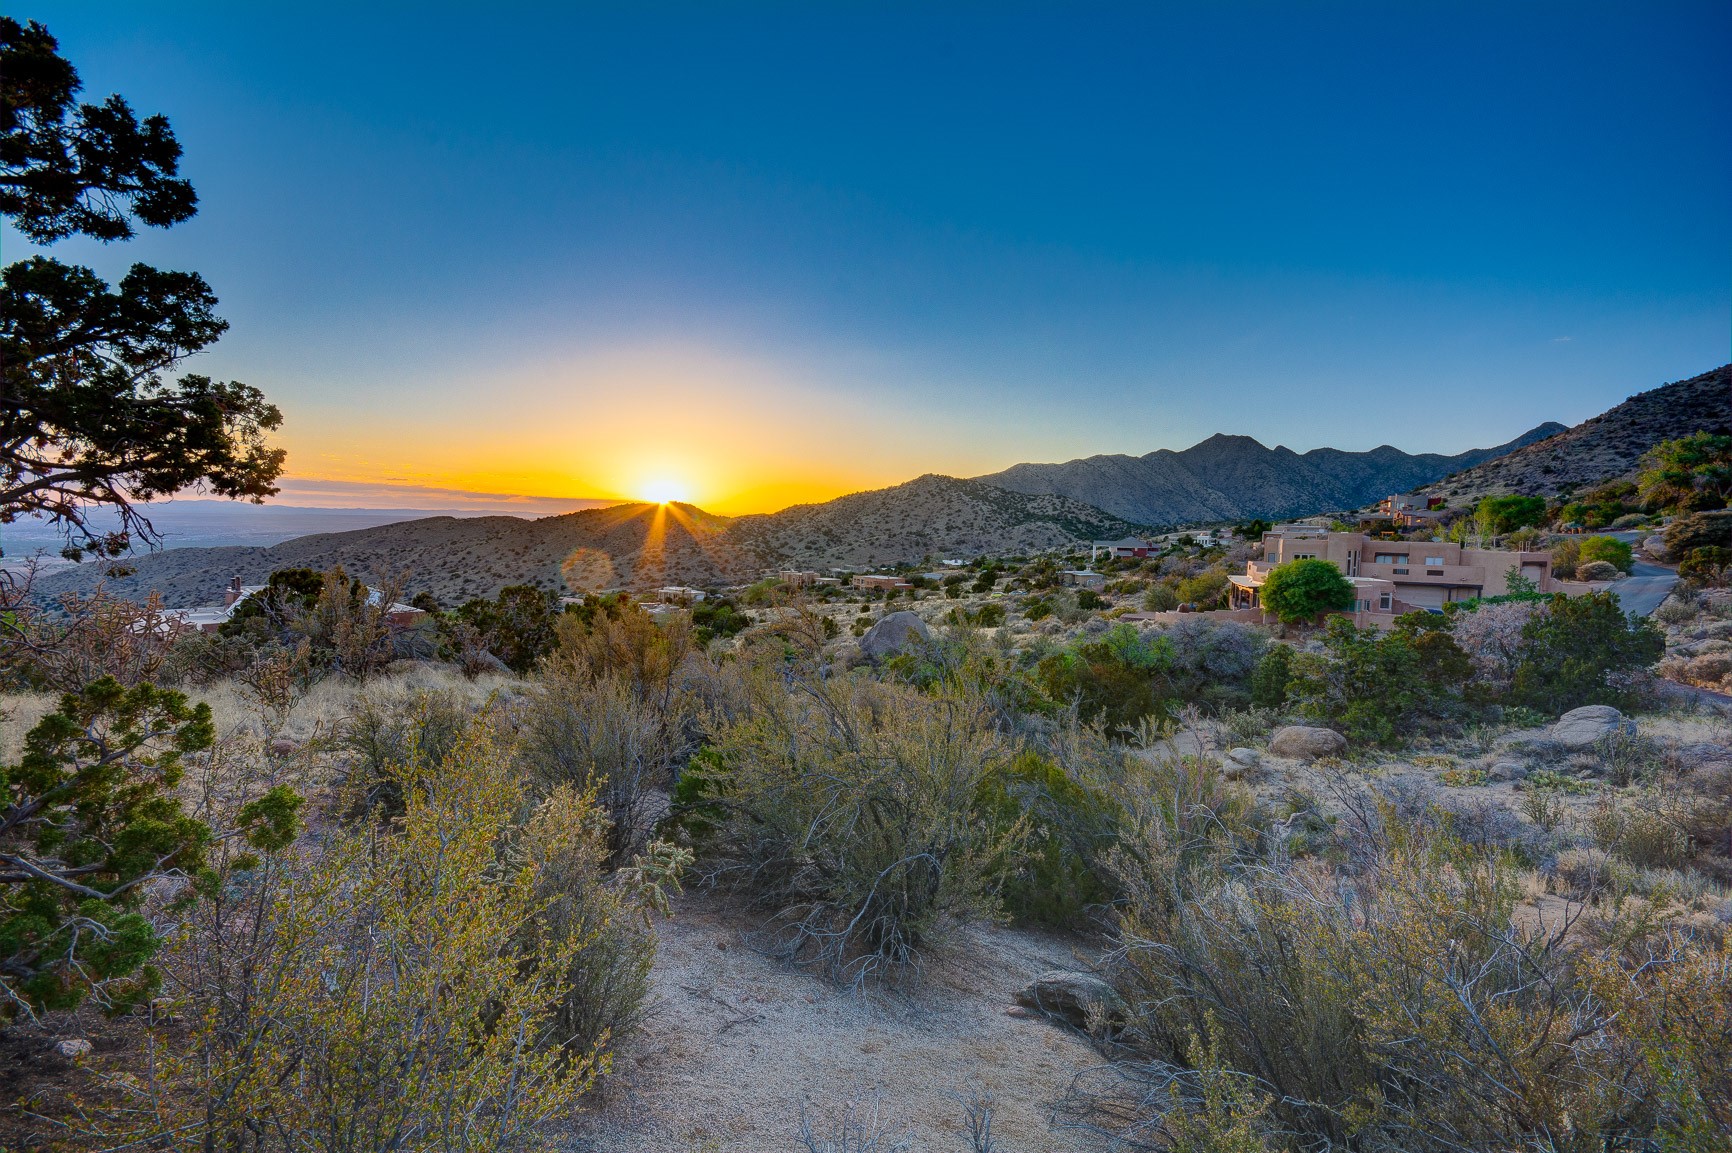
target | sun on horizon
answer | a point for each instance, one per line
(666, 491)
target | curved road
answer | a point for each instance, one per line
(1647, 585)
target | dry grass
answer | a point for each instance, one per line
(328, 701)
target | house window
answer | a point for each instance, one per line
(1390, 558)
(1434, 560)
(1384, 602)
(1304, 556)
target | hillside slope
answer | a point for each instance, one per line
(1603, 448)
(454, 559)
(1237, 478)
(644, 545)
(929, 516)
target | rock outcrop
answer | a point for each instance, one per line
(893, 634)
(1305, 743)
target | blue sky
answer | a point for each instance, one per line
(774, 252)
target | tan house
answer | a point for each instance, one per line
(881, 581)
(1392, 577)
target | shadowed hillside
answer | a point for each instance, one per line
(1605, 447)
(1237, 478)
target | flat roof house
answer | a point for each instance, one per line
(880, 581)
(1394, 576)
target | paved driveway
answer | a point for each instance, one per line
(1647, 585)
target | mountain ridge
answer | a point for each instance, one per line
(1231, 476)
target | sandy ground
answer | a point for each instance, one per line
(739, 1041)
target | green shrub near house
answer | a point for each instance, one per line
(1301, 590)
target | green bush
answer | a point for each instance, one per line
(1116, 678)
(1300, 590)
(1613, 551)
(1380, 687)
(1269, 681)
(92, 817)
(1572, 652)
(1070, 830)
(1205, 590)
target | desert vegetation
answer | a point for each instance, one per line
(265, 837)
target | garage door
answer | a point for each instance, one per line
(1422, 596)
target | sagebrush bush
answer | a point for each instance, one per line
(376, 988)
(602, 735)
(385, 732)
(851, 816)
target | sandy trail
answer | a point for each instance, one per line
(738, 1041)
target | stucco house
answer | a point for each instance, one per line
(1391, 577)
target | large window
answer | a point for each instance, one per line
(1433, 560)
(1390, 558)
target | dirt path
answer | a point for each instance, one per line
(739, 1041)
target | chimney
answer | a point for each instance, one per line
(233, 592)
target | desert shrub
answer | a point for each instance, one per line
(1609, 549)
(717, 618)
(1690, 473)
(1699, 530)
(1205, 590)
(1213, 660)
(606, 983)
(1496, 515)
(1117, 677)
(1572, 653)
(1089, 600)
(1566, 555)
(1707, 567)
(517, 626)
(92, 819)
(1331, 994)
(384, 732)
(1269, 679)
(92, 637)
(1160, 598)
(613, 636)
(1300, 590)
(1380, 687)
(600, 735)
(1492, 634)
(1596, 570)
(1070, 826)
(1672, 1004)
(851, 817)
(375, 990)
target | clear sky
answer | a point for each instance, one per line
(751, 254)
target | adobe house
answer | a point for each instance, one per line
(1391, 577)
(881, 581)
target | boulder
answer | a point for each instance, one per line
(1303, 742)
(893, 634)
(1584, 727)
(1507, 771)
(1655, 546)
(75, 1049)
(1080, 999)
(1694, 756)
(1239, 762)
(284, 747)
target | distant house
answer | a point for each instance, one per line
(1408, 511)
(1083, 578)
(881, 581)
(210, 618)
(680, 594)
(1124, 549)
(797, 578)
(1394, 577)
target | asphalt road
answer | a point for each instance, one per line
(1647, 585)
